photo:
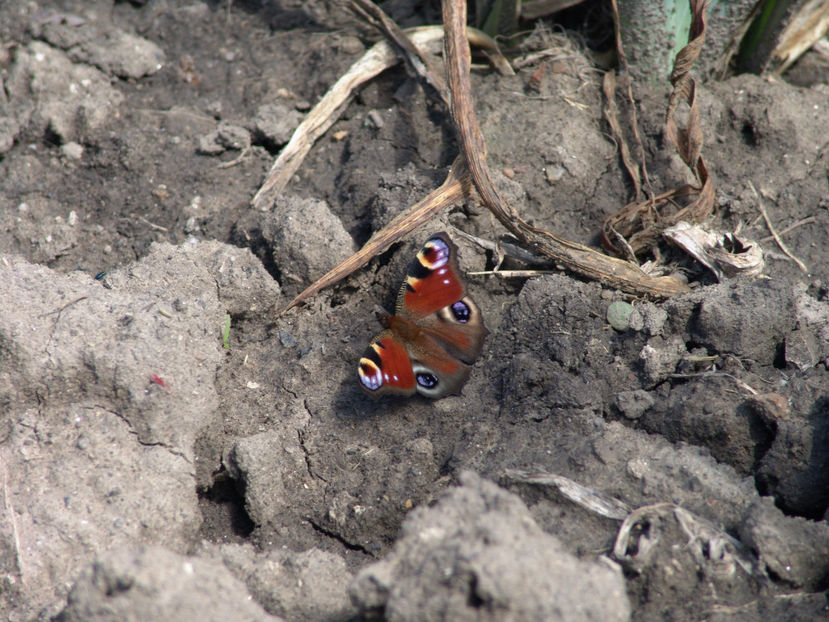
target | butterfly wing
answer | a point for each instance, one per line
(386, 367)
(434, 297)
(391, 365)
(436, 334)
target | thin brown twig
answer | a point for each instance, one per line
(803, 221)
(152, 225)
(773, 231)
(612, 116)
(238, 159)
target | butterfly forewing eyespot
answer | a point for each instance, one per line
(370, 367)
(371, 376)
(434, 254)
(435, 335)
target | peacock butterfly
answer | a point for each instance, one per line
(435, 335)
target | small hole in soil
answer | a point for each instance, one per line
(51, 137)
(749, 135)
(780, 356)
(765, 483)
(223, 511)
(473, 599)
(768, 485)
(762, 433)
(258, 245)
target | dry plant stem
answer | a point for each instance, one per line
(415, 57)
(642, 223)
(576, 257)
(623, 63)
(803, 221)
(456, 187)
(612, 116)
(589, 499)
(380, 57)
(774, 233)
(481, 242)
(513, 274)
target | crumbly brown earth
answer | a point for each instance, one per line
(150, 472)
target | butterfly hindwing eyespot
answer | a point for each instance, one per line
(427, 380)
(461, 311)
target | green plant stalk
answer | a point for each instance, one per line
(226, 332)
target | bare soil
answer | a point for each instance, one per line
(156, 466)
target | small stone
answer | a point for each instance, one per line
(226, 136)
(72, 150)
(233, 136)
(660, 357)
(375, 119)
(351, 45)
(801, 349)
(633, 404)
(618, 315)
(286, 339)
(635, 320)
(653, 317)
(553, 174)
(275, 123)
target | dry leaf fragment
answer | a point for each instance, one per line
(725, 254)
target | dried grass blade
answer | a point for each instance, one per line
(417, 60)
(380, 57)
(588, 498)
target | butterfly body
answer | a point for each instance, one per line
(436, 333)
